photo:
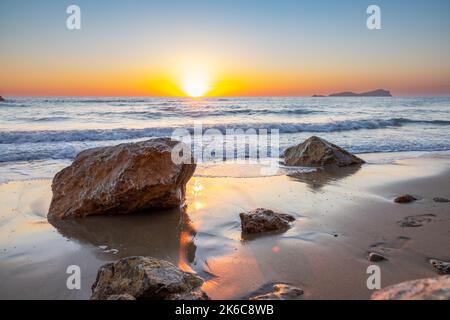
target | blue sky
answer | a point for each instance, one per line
(323, 41)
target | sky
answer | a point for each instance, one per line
(223, 48)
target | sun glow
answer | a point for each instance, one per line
(196, 85)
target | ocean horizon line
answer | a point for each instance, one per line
(218, 97)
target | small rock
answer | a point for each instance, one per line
(263, 220)
(406, 198)
(423, 289)
(376, 257)
(281, 292)
(416, 221)
(442, 267)
(440, 199)
(317, 152)
(146, 278)
(1, 99)
(124, 296)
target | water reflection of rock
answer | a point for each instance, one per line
(323, 176)
(165, 235)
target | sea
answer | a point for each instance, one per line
(41, 135)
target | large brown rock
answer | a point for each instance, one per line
(146, 278)
(317, 152)
(423, 289)
(121, 179)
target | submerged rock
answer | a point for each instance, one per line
(146, 278)
(442, 267)
(281, 292)
(121, 179)
(423, 289)
(376, 257)
(264, 220)
(440, 199)
(406, 198)
(317, 152)
(416, 221)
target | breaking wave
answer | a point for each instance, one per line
(19, 137)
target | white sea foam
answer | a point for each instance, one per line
(56, 129)
(36, 136)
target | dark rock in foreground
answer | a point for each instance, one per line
(1, 99)
(406, 198)
(281, 292)
(442, 267)
(121, 179)
(317, 152)
(146, 278)
(423, 289)
(263, 220)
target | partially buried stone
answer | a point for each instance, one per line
(406, 198)
(416, 221)
(376, 257)
(281, 292)
(440, 199)
(442, 267)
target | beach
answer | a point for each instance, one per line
(224, 150)
(341, 216)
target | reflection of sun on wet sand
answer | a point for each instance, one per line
(339, 220)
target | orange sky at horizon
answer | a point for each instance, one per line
(251, 83)
(135, 76)
(223, 48)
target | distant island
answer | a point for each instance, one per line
(374, 93)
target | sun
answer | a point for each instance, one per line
(195, 85)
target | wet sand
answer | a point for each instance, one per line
(341, 216)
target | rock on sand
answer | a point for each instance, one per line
(423, 289)
(442, 267)
(121, 179)
(281, 292)
(317, 152)
(264, 220)
(405, 198)
(146, 278)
